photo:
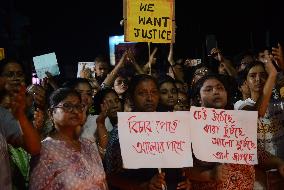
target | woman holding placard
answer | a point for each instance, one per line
(211, 92)
(144, 94)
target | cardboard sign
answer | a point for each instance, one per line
(155, 140)
(87, 65)
(46, 63)
(149, 21)
(225, 136)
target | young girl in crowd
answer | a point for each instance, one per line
(107, 104)
(211, 92)
(120, 85)
(144, 94)
(260, 79)
(168, 94)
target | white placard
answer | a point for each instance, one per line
(88, 65)
(155, 139)
(225, 136)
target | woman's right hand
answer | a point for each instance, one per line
(269, 67)
(157, 182)
(103, 114)
(85, 72)
(38, 119)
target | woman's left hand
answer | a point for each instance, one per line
(104, 111)
(184, 185)
(18, 103)
(38, 119)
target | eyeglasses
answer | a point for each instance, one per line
(12, 74)
(70, 107)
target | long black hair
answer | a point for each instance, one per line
(136, 80)
(165, 79)
(198, 85)
(251, 65)
(59, 95)
(99, 98)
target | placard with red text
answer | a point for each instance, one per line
(155, 139)
(225, 136)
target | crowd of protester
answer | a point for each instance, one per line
(64, 134)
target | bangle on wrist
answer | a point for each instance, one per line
(104, 136)
(101, 150)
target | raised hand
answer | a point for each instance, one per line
(130, 55)
(171, 55)
(38, 119)
(152, 59)
(269, 67)
(278, 55)
(51, 81)
(217, 54)
(104, 112)
(18, 103)
(85, 72)
(48, 80)
(39, 97)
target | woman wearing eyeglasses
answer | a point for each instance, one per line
(67, 161)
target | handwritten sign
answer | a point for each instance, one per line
(149, 21)
(2, 53)
(154, 140)
(225, 136)
(88, 65)
(46, 63)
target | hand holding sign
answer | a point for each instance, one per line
(157, 181)
(85, 70)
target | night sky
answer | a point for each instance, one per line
(79, 30)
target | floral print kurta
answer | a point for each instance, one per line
(62, 167)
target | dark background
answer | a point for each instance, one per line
(79, 30)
